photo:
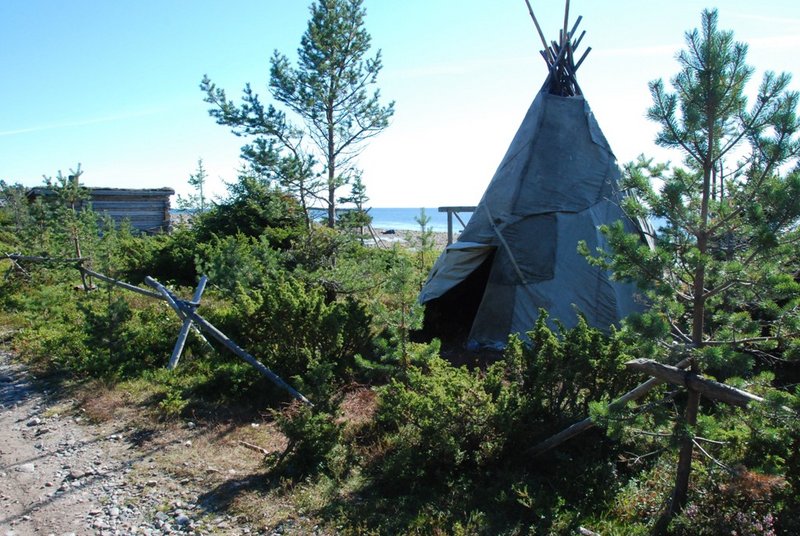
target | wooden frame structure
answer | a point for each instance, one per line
(560, 55)
(186, 311)
(451, 212)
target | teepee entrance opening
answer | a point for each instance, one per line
(450, 316)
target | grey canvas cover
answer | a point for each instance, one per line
(556, 185)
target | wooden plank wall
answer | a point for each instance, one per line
(146, 209)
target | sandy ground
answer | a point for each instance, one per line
(410, 239)
(54, 473)
(62, 475)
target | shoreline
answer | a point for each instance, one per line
(385, 235)
(409, 238)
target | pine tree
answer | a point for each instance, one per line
(197, 180)
(14, 210)
(721, 279)
(713, 120)
(330, 90)
(358, 217)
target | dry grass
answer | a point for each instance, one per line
(205, 460)
(358, 407)
(756, 486)
(61, 408)
(101, 403)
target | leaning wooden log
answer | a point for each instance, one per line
(233, 347)
(587, 423)
(122, 284)
(143, 292)
(30, 258)
(18, 267)
(375, 237)
(694, 382)
(189, 312)
(84, 271)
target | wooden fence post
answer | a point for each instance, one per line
(453, 211)
(185, 310)
(587, 423)
(187, 325)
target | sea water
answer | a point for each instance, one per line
(399, 219)
(405, 219)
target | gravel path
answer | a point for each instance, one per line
(61, 475)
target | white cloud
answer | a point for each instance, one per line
(775, 42)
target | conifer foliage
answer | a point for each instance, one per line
(330, 90)
(723, 275)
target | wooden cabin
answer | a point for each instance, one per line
(147, 210)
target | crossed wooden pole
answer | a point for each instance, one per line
(186, 311)
(695, 384)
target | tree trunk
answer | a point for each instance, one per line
(684, 470)
(681, 491)
(331, 165)
(698, 291)
(331, 199)
(304, 206)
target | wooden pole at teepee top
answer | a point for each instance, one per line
(575, 26)
(566, 23)
(580, 61)
(577, 42)
(538, 28)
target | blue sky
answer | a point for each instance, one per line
(114, 84)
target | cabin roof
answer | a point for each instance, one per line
(100, 191)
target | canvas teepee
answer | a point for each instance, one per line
(556, 185)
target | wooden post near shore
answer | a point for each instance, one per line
(453, 211)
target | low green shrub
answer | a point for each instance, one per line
(439, 421)
(253, 208)
(312, 436)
